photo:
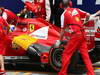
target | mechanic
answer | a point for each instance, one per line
(71, 20)
(45, 8)
(3, 28)
(6, 18)
(42, 9)
(3, 31)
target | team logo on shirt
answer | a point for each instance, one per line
(74, 12)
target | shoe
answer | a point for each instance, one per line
(2, 72)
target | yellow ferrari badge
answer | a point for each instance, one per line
(31, 27)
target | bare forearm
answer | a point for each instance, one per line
(98, 13)
(94, 16)
(48, 10)
(61, 34)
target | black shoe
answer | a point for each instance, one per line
(77, 71)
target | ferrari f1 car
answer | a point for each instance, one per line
(33, 41)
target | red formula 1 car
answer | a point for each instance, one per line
(29, 40)
(33, 41)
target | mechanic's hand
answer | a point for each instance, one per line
(12, 28)
(58, 42)
(92, 17)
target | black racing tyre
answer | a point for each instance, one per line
(55, 59)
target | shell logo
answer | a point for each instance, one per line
(77, 19)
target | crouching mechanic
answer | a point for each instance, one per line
(45, 9)
(39, 8)
(6, 17)
(71, 20)
(3, 31)
(3, 25)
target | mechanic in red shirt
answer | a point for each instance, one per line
(41, 8)
(71, 20)
(6, 17)
(45, 9)
(3, 31)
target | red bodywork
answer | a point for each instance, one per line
(38, 23)
(20, 29)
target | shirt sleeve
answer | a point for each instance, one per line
(48, 10)
(3, 22)
(4, 15)
(62, 21)
(82, 13)
(63, 18)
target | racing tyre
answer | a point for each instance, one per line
(55, 59)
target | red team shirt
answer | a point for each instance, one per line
(71, 18)
(3, 32)
(38, 7)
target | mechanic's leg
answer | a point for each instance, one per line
(69, 50)
(2, 62)
(2, 52)
(2, 70)
(84, 52)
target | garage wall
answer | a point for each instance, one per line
(14, 5)
(90, 6)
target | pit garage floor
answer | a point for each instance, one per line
(38, 71)
(97, 72)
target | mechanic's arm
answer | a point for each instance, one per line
(62, 27)
(98, 14)
(48, 10)
(95, 16)
(22, 12)
(62, 34)
(86, 18)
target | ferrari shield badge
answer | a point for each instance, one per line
(31, 28)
